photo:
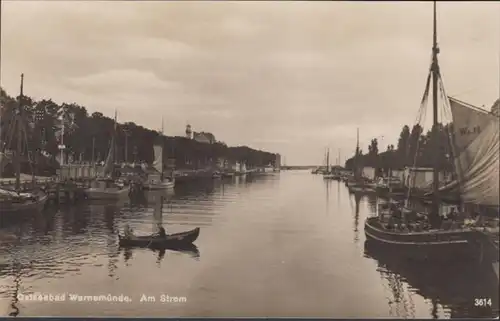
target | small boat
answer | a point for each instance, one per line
(21, 203)
(106, 189)
(166, 183)
(177, 239)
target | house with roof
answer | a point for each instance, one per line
(201, 137)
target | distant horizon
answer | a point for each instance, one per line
(292, 78)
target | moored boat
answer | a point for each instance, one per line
(108, 187)
(19, 201)
(475, 147)
(12, 203)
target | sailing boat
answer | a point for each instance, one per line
(356, 183)
(106, 187)
(338, 174)
(328, 173)
(320, 169)
(416, 236)
(18, 201)
(157, 180)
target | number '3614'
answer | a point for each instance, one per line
(482, 302)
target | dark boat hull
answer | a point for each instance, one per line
(439, 245)
(24, 208)
(173, 240)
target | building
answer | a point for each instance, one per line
(201, 137)
(422, 177)
(277, 161)
(495, 109)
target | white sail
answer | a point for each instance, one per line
(480, 180)
(476, 143)
(468, 123)
(158, 157)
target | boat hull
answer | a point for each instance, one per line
(429, 245)
(161, 186)
(28, 207)
(173, 240)
(106, 193)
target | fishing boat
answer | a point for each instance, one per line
(19, 201)
(108, 186)
(474, 139)
(158, 180)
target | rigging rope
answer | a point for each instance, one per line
(421, 114)
(454, 154)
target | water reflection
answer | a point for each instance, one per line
(78, 247)
(195, 188)
(451, 289)
(328, 183)
(191, 250)
(357, 200)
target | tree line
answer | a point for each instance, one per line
(414, 148)
(87, 138)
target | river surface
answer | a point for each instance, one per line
(282, 245)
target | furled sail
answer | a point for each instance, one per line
(476, 139)
(158, 157)
(109, 164)
(110, 159)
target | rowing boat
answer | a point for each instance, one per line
(177, 239)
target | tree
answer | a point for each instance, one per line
(81, 130)
(373, 148)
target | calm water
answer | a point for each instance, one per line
(287, 244)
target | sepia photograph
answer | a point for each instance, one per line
(249, 159)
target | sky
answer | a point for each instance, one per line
(287, 77)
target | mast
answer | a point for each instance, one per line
(435, 78)
(114, 142)
(19, 137)
(357, 154)
(328, 161)
(161, 144)
(93, 150)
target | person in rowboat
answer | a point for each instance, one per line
(161, 232)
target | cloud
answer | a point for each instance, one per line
(291, 77)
